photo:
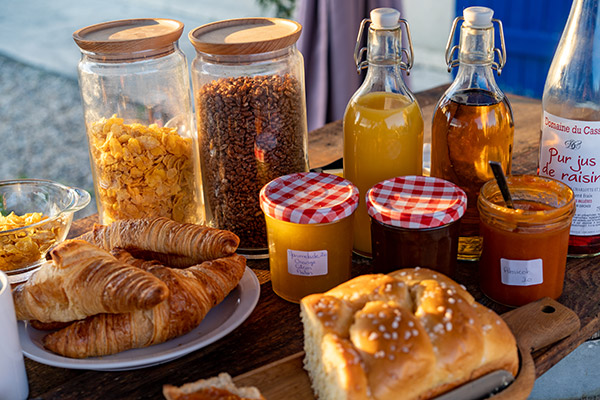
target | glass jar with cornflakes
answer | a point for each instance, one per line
(137, 105)
(248, 81)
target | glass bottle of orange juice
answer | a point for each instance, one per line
(383, 125)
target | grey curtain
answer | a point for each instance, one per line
(330, 28)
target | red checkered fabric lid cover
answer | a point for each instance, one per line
(416, 202)
(309, 198)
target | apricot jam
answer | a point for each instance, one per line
(524, 249)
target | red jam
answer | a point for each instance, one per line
(434, 248)
(415, 222)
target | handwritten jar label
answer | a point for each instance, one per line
(521, 272)
(570, 152)
(307, 263)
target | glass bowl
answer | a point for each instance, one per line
(35, 216)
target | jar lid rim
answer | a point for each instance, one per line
(309, 198)
(245, 36)
(416, 202)
(548, 188)
(128, 35)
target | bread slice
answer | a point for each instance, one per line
(412, 334)
(217, 387)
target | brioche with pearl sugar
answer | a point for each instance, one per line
(410, 334)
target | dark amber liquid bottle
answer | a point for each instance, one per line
(472, 123)
(469, 129)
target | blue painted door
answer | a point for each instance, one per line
(532, 29)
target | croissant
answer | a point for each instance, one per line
(182, 244)
(193, 292)
(168, 260)
(85, 280)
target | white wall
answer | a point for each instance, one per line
(39, 32)
(430, 22)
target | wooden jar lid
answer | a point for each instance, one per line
(245, 36)
(129, 35)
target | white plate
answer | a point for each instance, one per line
(221, 320)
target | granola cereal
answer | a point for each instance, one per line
(251, 130)
(142, 171)
(23, 247)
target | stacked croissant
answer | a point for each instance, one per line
(110, 290)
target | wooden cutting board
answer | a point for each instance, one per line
(536, 325)
(282, 379)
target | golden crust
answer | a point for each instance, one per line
(165, 240)
(414, 333)
(84, 280)
(223, 382)
(192, 293)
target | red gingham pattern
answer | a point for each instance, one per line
(309, 198)
(416, 202)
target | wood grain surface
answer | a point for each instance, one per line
(274, 331)
(245, 36)
(535, 325)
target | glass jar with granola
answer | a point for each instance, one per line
(138, 112)
(248, 81)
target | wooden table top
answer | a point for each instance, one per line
(274, 330)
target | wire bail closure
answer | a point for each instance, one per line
(360, 58)
(454, 62)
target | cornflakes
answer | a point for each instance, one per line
(142, 171)
(23, 247)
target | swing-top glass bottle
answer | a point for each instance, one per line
(472, 122)
(383, 125)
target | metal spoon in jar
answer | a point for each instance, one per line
(501, 181)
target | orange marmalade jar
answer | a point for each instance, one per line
(524, 249)
(310, 220)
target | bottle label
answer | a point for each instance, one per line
(521, 272)
(570, 152)
(307, 263)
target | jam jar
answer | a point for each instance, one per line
(248, 81)
(524, 248)
(309, 219)
(137, 106)
(415, 222)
